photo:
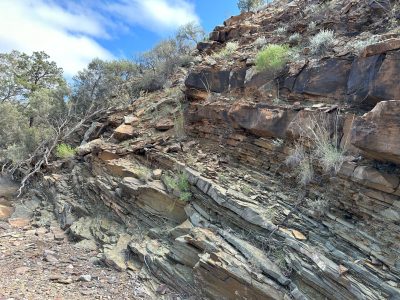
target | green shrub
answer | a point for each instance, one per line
(322, 42)
(179, 184)
(65, 151)
(273, 57)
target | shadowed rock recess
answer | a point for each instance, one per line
(200, 200)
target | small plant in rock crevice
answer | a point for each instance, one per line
(64, 151)
(228, 51)
(358, 46)
(223, 178)
(318, 143)
(295, 38)
(260, 42)
(312, 26)
(179, 185)
(281, 30)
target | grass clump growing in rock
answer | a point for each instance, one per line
(318, 143)
(322, 41)
(295, 38)
(359, 46)
(64, 151)
(228, 51)
(260, 42)
(273, 57)
(312, 26)
(179, 122)
(179, 185)
(281, 30)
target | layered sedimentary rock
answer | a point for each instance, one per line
(249, 230)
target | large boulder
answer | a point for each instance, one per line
(261, 120)
(124, 132)
(326, 80)
(374, 78)
(386, 82)
(210, 80)
(361, 78)
(377, 133)
(381, 47)
(216, 81)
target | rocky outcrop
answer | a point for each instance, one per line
(381, 47)
(261, 121)
(328, 79)
(247, 229)
(124, 132)
(377, 133)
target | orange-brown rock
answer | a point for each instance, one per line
(374, 179)
(384, 46)
(378, 132)
(5, 212)
(124, 132)
(164, 124)
(261, 120)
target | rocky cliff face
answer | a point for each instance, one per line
(249, 230)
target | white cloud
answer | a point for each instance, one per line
(157, 15)
(36, 25)
(69, 30)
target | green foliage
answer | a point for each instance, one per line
(24, 127)
(65, 151)
(249, 5)
(21, 75)
(37, 107)
(179, 184)
(273, 58)
(322, 42)
(103, 84)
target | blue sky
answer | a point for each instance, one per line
(209, 12)
(73, 32)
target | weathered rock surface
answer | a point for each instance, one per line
(381, 47)
(124, 132)
(261, 121)
(377, 133)
(164, 124)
